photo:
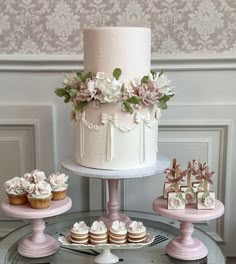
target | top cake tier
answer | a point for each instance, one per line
(127, 48)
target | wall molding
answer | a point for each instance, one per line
(52, 63)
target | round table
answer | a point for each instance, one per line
(163, 229)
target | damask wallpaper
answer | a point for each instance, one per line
(178, 26)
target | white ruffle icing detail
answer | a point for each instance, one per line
(98, 227)
(137, 227)
(80, 227)
(119, 227)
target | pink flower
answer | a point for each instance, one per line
(174, 202)
(149, 93)
(87, 91)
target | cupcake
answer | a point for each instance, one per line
(98, 233)
(58, 185)
(35, 176)
(40, 195)
(15, 190)
(79, 233)
(136, 232)
(118, 233)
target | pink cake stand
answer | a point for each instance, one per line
(185, 247)
(113, 177)
(38, 244)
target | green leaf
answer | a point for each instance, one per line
(162, 105)
(122, 88)
(117, 73)
(72, 92)
(161, 72)
(60, 92)
(80, 106)
(81, 76)
(67, 98)
(88, 75)
(154, 73)
(145, 79)
(127, 108)
(134, 100)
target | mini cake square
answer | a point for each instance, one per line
(168, 187)
(176, 200)
(190, 194)
(205, 200)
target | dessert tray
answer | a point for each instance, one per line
(106, 256)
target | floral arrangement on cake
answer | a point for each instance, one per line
(80, 88)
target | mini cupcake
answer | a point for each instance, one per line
(118, 233)
(98, 233)
(15, 190)
(136, 232)
(40, 195)
(59, 185)
(79, 233)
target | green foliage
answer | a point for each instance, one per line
(145, 79)
(80, 106)
(117, 73)
(126, 106)
(60, 92)
(162, 101)
(134, 100)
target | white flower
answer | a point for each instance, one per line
(209, 201)
(110, 90)
(98, 226)
(163, 84)
(12, 184)
(175, 202)
(118, 226)
(136, 226)
(57, 180)
(29, 187)
(38, 175)
(81, 227)
(100, 75)
(28, 177)
(42, 187)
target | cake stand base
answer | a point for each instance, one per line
(192, 251)
(43, 248)
(120, 217)
(106, 257)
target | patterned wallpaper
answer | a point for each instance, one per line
(178, 27)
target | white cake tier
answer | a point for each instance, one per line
(109, 138)
(127, 48)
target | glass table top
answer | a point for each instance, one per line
(162, 228)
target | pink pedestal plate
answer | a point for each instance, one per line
(113, 177)
(185, 247)
(38, 244)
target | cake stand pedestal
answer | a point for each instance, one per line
(185, 247)
(38, 244)
(113, 177)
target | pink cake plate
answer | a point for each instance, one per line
(113, 177)
(38, 244)
(185, 247)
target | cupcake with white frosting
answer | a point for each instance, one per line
(136, 232)
(118, 233)
(35, 176)
(40, 195)
(16, 191)
(98, 233)
(58, 182)
(79, 233)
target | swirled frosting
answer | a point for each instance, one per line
(98, 227)
(35, 176)
(58, 180)
(137, 227)
(80, 227)
(119, 227)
